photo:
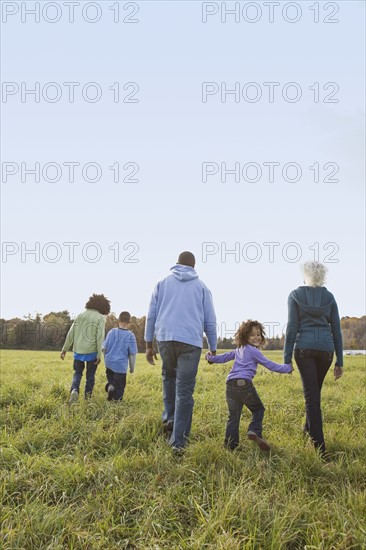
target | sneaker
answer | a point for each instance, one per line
(168, 427)
(110, 391)
(262, 443)
(74, 396)
(178, 451)
(326, 457)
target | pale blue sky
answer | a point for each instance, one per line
(169, 133)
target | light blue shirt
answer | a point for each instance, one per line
(119, 345)
(181, 309)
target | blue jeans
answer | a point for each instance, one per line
(179, 370)
(313, 365)
(240, 392)
(91, 368)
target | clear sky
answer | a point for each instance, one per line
(291, 133)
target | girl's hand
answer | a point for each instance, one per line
(207, 357)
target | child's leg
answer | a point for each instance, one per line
(119, 386)
(235, 406)
(256, 407)
(78, 373)
(110, 378)
(91, 368)
(109, 387)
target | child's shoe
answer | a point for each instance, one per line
(74, 396)
(168, 427)
(110, 391)
(262, 443)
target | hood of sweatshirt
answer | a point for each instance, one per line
(315, 301)
(183, 273)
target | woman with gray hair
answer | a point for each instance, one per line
(314, 334)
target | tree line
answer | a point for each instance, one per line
(48, 332)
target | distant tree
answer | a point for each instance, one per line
(354, 332)
(54, 329)
(110, 322)
(49, 332)
(137, 326)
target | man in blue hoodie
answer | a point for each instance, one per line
(181, 309)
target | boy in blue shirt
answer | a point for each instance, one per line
(120, 351)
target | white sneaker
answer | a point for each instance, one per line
(110, 390)
(74, 396)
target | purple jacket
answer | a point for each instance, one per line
(246, 362)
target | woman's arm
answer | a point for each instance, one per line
(291, 330)
(335, 324)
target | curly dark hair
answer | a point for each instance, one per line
(242, 334)
(100, 303)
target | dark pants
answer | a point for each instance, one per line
(313, 365)
(236, 397)
(180, 365)
(118, 381)
(91, 368)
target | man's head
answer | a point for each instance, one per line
(187, 258)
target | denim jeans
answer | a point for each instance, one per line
(118, 380)
(179, 370)
(236, 397)
(91, 368)
(313, 365)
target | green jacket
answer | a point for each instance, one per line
(86, 334)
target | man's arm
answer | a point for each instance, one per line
(150, 327)
(209, 319)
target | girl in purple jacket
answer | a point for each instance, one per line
(240, 390)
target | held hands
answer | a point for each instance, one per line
(151, 355)
(208, 355)
(338, 372)
(291, 366)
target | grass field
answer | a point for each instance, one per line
(99, 475)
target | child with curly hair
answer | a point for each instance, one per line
(86, 337)
(240, 390)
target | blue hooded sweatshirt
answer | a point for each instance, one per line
(181, 309)
(313, 322)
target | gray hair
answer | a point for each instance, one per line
(314, 273)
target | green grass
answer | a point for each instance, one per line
(99, 475)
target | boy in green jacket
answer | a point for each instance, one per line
(85, 337)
